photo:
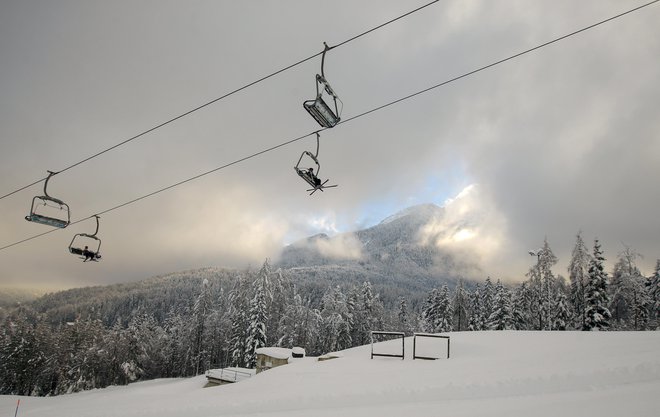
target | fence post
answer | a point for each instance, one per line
(371, 335)
(448, 343)
(414, 342)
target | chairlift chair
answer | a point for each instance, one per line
(307, 173)
(38, 216)
(318, 108)
(78, 246)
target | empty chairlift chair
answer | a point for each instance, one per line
(49, 210)
(318, 108)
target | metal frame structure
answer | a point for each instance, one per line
(398, 334)
(415, 335)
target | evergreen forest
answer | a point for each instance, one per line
(183, 324)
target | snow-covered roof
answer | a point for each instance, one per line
(298, 351)
(274, 352)
(231, 374)
(331, 355)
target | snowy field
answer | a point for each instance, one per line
(488, 374)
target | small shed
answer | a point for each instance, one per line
(271, 357)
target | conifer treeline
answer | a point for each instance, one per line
(225, 320)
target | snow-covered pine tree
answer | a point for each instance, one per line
(640, 304)
(628, 293)
(334, 332)
(561, 312)
(501, 317)
(136, 356)
(297, 324)
(444, 319)
(402, 315)
(520, 307)
(217, 328)
(430, 312)
(45, 360)
(238, 313)
(460, 306)
(535, 293)
(477, 320)
(353, 313)
(343, 330)
(372, 308)
(150, 341)
(348, 311)
(654, 294)
(364, 313)
(487, 295)
(19, 345)
(201, 311)
(542, 284)
(282, 295)
(256, 334)
(175, 352)
(597, 300)
(578, 274)
(80, 355)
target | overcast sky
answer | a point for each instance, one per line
(563, 139)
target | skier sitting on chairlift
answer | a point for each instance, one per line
(85, 253)
(89, 255)
(307, 173)
(317, 180)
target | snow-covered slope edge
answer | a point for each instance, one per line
(489, 373)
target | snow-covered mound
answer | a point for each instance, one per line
(488, 374)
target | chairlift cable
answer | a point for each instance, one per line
(344, 121)
(501, 61)
(237, 90)
(47, 232)
(238, 161)
(135, 200)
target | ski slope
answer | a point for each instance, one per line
(489, 374)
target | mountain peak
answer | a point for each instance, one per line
(423, 211)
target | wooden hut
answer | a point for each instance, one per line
(271, 357)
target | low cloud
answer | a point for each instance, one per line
(228, 229)
(344, 246)
(470, 229)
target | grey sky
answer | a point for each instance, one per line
(566, 138)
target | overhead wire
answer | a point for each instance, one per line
(501, 61)
(290, 141)
(237, 90)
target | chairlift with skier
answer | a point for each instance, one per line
(86, 246)
(307, 173)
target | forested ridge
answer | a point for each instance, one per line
(185, 323)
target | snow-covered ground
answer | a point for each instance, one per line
(488, 374)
